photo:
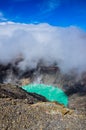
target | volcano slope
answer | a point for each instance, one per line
(25, 111)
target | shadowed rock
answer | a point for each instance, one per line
(13, 92)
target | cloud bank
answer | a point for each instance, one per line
(43, 42)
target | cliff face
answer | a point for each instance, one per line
(26, 111)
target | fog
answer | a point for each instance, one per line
(64, 46)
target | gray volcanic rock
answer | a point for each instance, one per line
(18, 115)
(24, 111)
(20, 110)
(14, 92)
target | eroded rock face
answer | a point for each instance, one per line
(47, 75)
(12, 74)
(21, 110)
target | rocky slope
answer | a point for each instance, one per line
(22, 111)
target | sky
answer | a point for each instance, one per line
(47, 31)
(54, 12)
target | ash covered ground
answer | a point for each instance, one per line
(21, 110)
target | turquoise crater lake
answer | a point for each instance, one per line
(50, 92)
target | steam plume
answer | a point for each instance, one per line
(65, 46)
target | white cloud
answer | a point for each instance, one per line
(2, 18)
(53, 4)
(49, 5)
(65, 46)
